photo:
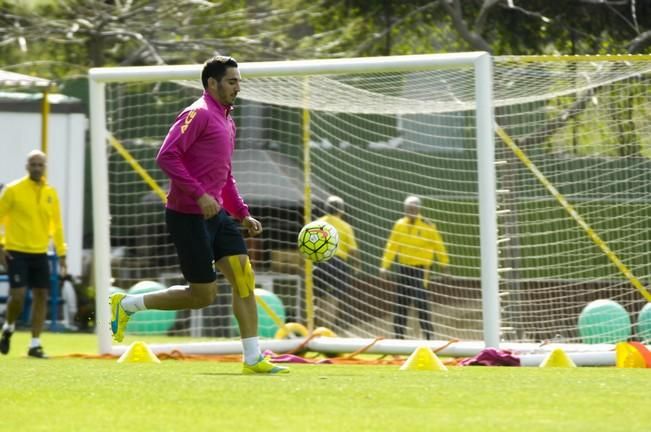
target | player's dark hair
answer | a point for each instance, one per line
(215, 67)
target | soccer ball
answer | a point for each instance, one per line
(318, 241)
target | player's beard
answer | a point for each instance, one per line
(227, 98)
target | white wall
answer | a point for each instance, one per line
(20, 133)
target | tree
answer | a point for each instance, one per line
(540, 26)
(134, 32)
(87, 33)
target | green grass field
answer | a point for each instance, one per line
(66, 394)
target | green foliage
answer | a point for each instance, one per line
(608, 124)
(568, 27)
(74, 35)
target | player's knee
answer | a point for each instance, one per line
(203, 295)
(39, 295)
(17, 296)
(244, 278)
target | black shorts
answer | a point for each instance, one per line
(332, 277)
(200, 242)
(28, 270)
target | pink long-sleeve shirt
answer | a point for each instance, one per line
(197, 157)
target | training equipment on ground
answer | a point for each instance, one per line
(138, 352)
(632, 355)
(604, 321)
(533, 169)
(318, 241)
(423, 359)
(557, 358)
(644, 323)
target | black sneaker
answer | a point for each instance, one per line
(5, 340)
(37, 352)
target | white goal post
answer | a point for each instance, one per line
(478, 64)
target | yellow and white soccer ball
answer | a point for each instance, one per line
(318, 241)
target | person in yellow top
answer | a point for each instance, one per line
(29, 217)
(414, 242)
(332, 278)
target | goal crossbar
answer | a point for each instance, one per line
(290, 67)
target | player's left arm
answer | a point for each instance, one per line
(6, 202)
(232, 200)
(253, 225)
(56, 230)
(438, 246)
(235, 206)
(185, 131)
(353, 250)
(391, 248)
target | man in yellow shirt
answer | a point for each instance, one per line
(415, 242)
(30, 216)
(333, 277)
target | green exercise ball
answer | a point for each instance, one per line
(644, 323)
(116, 290)
(604, 321)
(146, 286)
(267, 327)
(150, 321)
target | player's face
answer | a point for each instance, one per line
(227, 89)
(36, 167)
(411, 210)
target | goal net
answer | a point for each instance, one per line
(373, 131)
(575, 202)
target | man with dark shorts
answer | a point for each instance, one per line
(414, 242)
(30, 215)
(203, 200)
(332, 279)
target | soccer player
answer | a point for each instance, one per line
(415, 242)
(30, 215)
(332, 277)
(203, 200)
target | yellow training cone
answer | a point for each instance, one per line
(558, 359)
(138, 352)
(423, 359)
(628, 356)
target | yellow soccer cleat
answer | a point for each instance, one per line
(264, 366)
(119, 317)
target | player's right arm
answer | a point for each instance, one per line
(232, 200)
(209, 205)
(353, 251)
(391, 249)
(6, 201)
(179, 140)
(438, 246)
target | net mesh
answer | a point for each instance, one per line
(376, 138)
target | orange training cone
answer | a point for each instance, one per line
(628, 355)
(646, 354)
(138, 352)
(423, 359)
(558, 359)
